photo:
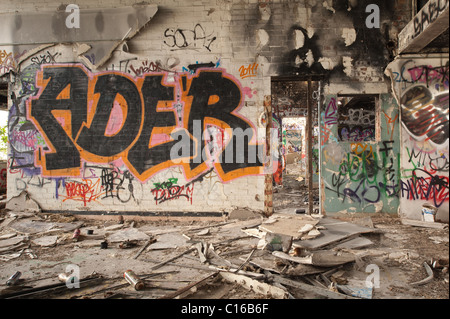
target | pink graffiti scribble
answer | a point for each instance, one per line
(26, 138)
(248, 91)
(115, 120)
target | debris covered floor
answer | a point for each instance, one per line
(242, 257)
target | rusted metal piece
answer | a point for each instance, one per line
(310, 137)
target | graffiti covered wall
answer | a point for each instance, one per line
(422, 86)
(360, 176)
(145, 131)
(108, 137)
(171, 127)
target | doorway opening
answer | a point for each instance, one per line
(295, 124)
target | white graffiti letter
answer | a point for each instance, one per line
(73, 19)
(373, 280)
(373, 20)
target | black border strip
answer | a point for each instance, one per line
(137, 213)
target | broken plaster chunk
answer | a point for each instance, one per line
(306, 228)
(270, 220)
(278, 242)
(12, 241)
(23, 203)
(262, 243)
(8, 236)
(46, 241)
(313, 233)
(255, 232)
(204, 232)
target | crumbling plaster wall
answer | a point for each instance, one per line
(243, 43)
(421, 84)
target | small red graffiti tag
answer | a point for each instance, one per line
(85, 191)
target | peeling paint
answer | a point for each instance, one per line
(263, 37)
(265, 12)
(352, 4)
(379, 207)
(309, 58)
(349, 35)
(328, 6)
(299, 39)
(310, 31)
(348, 65)
(327, 63)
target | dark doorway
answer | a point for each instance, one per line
(295, 124)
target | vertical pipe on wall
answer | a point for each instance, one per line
(268, 186)
(319, 138)
(310, 138)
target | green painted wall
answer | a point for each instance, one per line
(360, 176)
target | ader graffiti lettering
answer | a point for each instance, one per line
(107, 116)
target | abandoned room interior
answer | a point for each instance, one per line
(219, 149)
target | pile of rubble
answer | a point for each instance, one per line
(284, 256)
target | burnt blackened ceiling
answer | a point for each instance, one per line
(312, 37)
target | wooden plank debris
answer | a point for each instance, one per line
(188, 287)
(309, 288)
(149, 242)
(304, 270)
(240, 272)
(171, 259)
(265, 289)
(58, 288)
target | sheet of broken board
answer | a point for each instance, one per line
(268, 257)
(311, 246)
